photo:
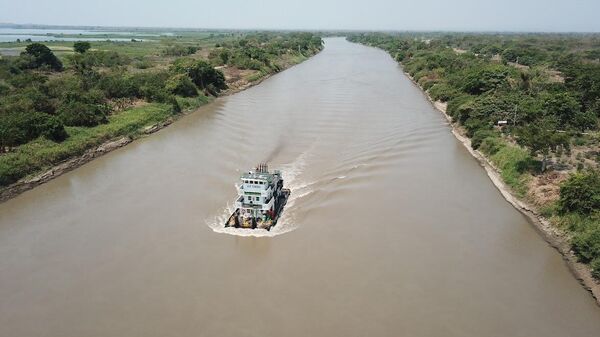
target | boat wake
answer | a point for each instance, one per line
(291, 173)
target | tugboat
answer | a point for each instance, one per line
(260, 200)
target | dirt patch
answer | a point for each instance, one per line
(544, 189)
(555, 76)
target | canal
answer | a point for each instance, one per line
(392, 229)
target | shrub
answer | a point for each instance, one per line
(587, 245)
(19, 128)
(54, 129)
(75, 113)
(491, 145)
(580, 193)
(116, 85)
(143, 63)
(596, 267)
(456, 102)
(4, 89)
(480, 135)
(576, 222)
(513, 163)
(182, 85)
(152, 86)
(219, 56)
(442, 92)
(243, 61)
(37, 55)
(485, 78)
(81, 46)
(175, 106)
(105, 58)
(202, 74)
(26, 79)
(474, 125)
(178, 50)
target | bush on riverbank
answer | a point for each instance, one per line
(546, 93)
(50, 112)
(580, 193)
(43, 153)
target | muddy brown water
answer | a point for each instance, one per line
(393, 229)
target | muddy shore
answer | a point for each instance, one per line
(31, 182)
(554, 236)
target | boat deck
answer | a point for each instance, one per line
(252, 223)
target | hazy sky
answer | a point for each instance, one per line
(503, 15)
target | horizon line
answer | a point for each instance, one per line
(370, 30)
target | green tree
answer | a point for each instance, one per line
(81, 46)
(580, 193)
(224, 55)
(18, 128)
(181, 84)
(38, 55)
(587, 244)
(584, 120)
(83, 67)
(486, 78)
(54, 129)
(76, 113)
(542, 138)
(563, 106)
(205, 76)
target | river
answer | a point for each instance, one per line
(392, 229)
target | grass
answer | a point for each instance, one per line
(514, 163)
(515, 166)
(257, 76)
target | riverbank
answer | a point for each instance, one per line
(124, 128)
(556, 237)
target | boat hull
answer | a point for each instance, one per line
(235, 220)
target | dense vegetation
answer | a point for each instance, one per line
(54, 107)
(531, 103)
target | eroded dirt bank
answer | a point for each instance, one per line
(554, 236)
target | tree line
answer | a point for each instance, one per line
(40, 98)
(543, 90)
(47, 97)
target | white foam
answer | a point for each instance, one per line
(291, 173)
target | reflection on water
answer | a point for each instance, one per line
(392, 228)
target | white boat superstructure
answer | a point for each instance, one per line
(260, 200)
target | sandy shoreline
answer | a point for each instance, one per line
(554, 236)
(28, 183)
